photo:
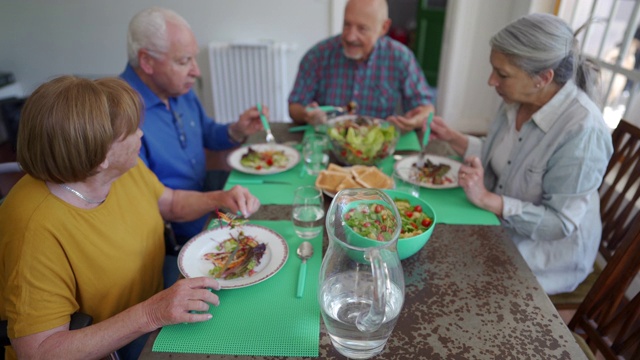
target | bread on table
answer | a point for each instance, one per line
(337, 178)
(329, 180)
(374, 178)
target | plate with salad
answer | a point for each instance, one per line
(438, 172)
(257, 254)
(264, 159)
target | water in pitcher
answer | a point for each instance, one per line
(307, 220)
(340, 306)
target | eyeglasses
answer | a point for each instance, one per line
(182, 136)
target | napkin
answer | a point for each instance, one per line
(264, 319)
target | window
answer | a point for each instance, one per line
(611, 40)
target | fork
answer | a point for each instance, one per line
(228, 215)
(425, 141)
(265, 124)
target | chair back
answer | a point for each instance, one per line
(607, 319)
(619, 190)
(10, 173)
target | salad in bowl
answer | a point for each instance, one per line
(361, 140)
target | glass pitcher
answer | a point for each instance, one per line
(361, 287)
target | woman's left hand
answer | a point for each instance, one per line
(471, 179)
(239, 198)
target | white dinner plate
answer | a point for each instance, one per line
(453, 172)
(292, 154)
(191, 260)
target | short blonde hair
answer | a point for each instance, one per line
(66, 127)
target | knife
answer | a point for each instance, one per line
(425, 141)
(258, 181)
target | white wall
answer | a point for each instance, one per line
(465, 100)
(40, 39)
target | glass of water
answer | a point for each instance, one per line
(308, 211)
(314, 152)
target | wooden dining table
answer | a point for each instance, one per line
(468, 295)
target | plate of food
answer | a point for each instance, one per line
(263, 159)
(261, 254)
(438, 172)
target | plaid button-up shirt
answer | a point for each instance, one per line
(389, 76)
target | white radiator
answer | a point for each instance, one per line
(244, 74)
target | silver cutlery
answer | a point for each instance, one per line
(425, 141)
(270, 139)
(305, 251)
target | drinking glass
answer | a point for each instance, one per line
(406, 179)
(314, 152)
(308, 211)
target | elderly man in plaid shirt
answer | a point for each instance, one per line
(364, 67)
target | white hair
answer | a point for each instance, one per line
(148, 30)
(539, 42)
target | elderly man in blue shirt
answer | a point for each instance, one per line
(162, 68)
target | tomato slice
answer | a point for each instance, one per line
(417, 208)
(426, 222)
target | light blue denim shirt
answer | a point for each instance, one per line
(550, 185)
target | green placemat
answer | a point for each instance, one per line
(450, 205)
(263, 319)
(272, 193)
(408, 142)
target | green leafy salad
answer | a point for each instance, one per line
(414, 220)
(245, 253)
(362, 141)
(259, 160)
(373, 221)
(376, 221)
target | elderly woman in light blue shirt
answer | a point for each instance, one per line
(544, 157)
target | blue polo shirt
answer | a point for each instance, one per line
(174, 141)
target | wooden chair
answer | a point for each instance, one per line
(618, 196)
(606, 319)
(617, 201)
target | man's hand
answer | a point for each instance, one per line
(314, 115)
(414, 119)
(249, 123)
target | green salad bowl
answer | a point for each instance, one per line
(411, 245)
(361, 140)
(406, 246)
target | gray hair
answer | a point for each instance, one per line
(148, 30)
(539, 42)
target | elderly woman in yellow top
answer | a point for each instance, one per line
(83, 230)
